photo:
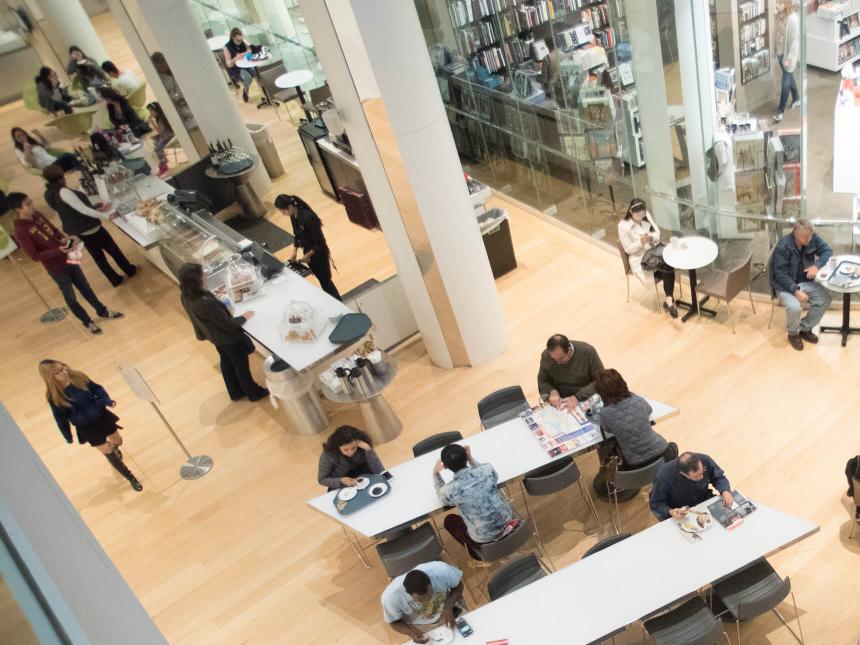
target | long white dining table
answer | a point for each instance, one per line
(510, 448)
(594, 597)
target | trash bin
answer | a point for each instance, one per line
(261, 135)
(293, 395)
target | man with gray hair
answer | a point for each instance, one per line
(794, 264)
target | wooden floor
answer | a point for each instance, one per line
(239, 557)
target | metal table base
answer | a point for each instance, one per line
(845, 328)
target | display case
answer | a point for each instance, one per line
(188, 237)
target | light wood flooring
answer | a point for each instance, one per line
(239, 557)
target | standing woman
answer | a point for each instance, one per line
(212, 321)
(348, 453)
(163, 135)
(81, 220)
(77, 401)
(637, 233)
(307, 230)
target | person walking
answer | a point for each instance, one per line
(80, 219)
(212, 321)
(307, 231)
(44, 243)
(76, 400)
(788, 55)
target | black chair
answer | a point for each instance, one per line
(692, 623)
(435, 441)
(605, 544)
(501, 549)
(756, 590)
(404, 553)
(502, 405)
(626, 480)
(515, 575)
(275, 95)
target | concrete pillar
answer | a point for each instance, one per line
(68, 24)
(379, 71)
(173, 31)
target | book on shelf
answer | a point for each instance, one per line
(731, 518)
(605, 38)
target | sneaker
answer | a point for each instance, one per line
(794, 341)
(245, 95)
(795, 105)
(672, 309)
(809, 337)
(112, 315)
(94, 328)
(777, 117)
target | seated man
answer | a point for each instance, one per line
(794, 265)
(567, 372)
(124, 82)
(423, 599)
(484, 515)
(684, 482)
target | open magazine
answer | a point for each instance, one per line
(732, 517)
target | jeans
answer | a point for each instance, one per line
(67, 283)
(788, 85)
(160, 142)
(320, 265)
(819, 300)
(60, 106)
(237, 372)
(101, 242)
(241, 77)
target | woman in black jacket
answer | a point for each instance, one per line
(307, 230)
(212, 321)
(77, 401)
(121, 112)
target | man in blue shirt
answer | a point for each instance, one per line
(685, 482)
(484, 515)
(795, 262)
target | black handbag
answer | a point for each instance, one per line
(653, 259)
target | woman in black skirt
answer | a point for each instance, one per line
(307, 229)
(77, 401)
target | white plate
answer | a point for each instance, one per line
(378, 490)
(346, 494)
(690, 525)
(361, 483)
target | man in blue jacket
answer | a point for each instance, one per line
(685, 482)
(795, 262)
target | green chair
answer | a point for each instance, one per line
(75, 124)
(31, 97)
(137, 98)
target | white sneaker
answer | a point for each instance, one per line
(795, 105)
(777, 117)
(94, 328)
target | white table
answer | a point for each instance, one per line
(510, 448)
(619, 585)
(217, 43)
(295, 79)
(270, 304)
(244, 63)
(691, 253)
(823, 277)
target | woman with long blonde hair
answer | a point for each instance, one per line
(78, 401)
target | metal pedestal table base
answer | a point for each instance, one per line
(249, 201)
(196, 467)
(845, 329)
(380, 422)
(52, 316)
(695, 305)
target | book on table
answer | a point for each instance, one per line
(731, 518)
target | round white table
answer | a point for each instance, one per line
(833, 278)
(295, 79)
(217, 43)
(691, 253)
(244, 63)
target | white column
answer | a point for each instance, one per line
(177, 35)
(68, 24)
(647, 64)
(379, 71)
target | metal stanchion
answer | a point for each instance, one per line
(195, 467)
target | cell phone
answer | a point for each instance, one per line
(387, 474)
(463, 627)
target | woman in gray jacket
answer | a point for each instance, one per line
(627, 417)
(347, 454)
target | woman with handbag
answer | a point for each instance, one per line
(212, 321)
(640, 237)
(77, 401)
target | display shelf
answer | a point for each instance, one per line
(754, 42)
(826, 43)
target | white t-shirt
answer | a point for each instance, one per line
(126, 82)
(397, 604)
(41, 157)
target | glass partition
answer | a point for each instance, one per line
(573, 107)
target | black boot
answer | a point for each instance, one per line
(115, 449)
(123, 470)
